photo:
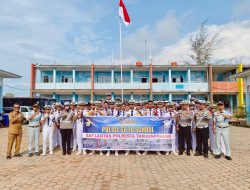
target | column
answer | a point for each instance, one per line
(189, 78)
(170, 97)
(113, 96)
(131, 77)
(74, 78)
(33, 78)
(170, 80)
(92, 84)
(54, 77)
(189, 96)
(112, 78)
(73, 97)
(210, 83)
(132, 96)
(54, 95)
(151, 82)
(231, 102)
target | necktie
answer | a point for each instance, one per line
(118, 113)
(132, 112)
(150, 111)
(170, 114)
(112, 112)
(48, 121)
(161, 112)
(122, 113)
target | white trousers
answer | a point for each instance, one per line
(48, 133)
(79, 140)
(222, 134)
(212, 139)
(57, 140)
(34, 138)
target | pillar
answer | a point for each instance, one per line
(32, 78)
(210, 83)
(170, 79)
(92, 83)
(151, 82)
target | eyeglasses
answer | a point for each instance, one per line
(17, 107)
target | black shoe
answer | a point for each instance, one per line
(205, 155)
(228, 157)
(197, 154)
(30, 155)
(217, 156)
(37, 154)
(18, 155)
(180, 153)
(69, 153)
(8, 157)
(188, 154)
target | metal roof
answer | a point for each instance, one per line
(6, 74)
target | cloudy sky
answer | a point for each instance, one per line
(65, 30)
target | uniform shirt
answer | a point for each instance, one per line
(35, 121)
(220, 120)
(137, 113)
(16, 121)
(185, 117)
(149, 112)
(58, 117)
(161, 112)
(49, 121)
(202, 118)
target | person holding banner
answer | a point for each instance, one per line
(202, 118)
(184, 121)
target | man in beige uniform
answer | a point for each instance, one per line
(15, 131)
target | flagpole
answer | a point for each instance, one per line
(121, 57)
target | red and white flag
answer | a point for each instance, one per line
(123, 13)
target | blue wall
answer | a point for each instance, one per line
(198, 76)
(179, 97)
(46, 73)
(160, 97)
(125, 76)
(139, 74)
(83, 76)
(161, 74)
(177, 74)
(106, 75)
(59, 75)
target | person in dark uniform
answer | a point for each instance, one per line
(66, 128)
(184, 121)
(202, 118)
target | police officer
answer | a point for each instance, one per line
(221, 129)
(66, 133)
(202, 118)
(184, 119)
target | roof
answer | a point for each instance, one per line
(241, 74)
(6, 74)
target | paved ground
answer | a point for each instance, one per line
(133, 172)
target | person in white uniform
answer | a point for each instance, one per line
(34, 129)
(48, 130)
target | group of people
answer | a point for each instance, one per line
(196, 124)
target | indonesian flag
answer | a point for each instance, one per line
(123, 13)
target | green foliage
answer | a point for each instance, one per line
(241, 112)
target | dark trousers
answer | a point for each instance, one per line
(66, 138)
(184, 135)
(202, 136)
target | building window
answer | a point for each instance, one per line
(155, 80)
(66, 79)
(47, 79)
(144, 80)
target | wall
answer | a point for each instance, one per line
(82, 76)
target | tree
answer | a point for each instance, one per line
(9, 95)
(203, 45)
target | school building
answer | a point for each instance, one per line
(140, 82)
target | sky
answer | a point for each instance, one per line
(82, 31)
